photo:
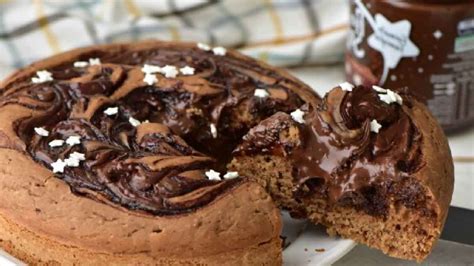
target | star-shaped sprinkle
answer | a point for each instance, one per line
(73, 140)
(379, 89)
(169, 71)
(77, 155)
(213, 129)
(150, 79)
(213, 175)
(56, 143)
(75, 159)
(111, 111)
(81, 64)
(203, 46)
(42, 76)
(151, 69)
(94, 61)
(231, 175)
(297, 115)
(41, 131)
(134, 122)
(261, 93)
(391, 97)
(187, 70)
(72, 162)
(58, 166)
(375, 126)
(221, 51)
(438, 34)
(346, 86)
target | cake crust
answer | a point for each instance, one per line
(42, 221)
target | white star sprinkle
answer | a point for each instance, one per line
(187, 70)
(73, 140)
(111, 111)
(379, 89)
(75, 159)
(94, 61)
(77, 155)
(346, 86)
(438, 34)
(72, 162)
(56, 143)
(213, 130)
(261, 93)
(221, 51)
(203, 46)
(42, 76)
(58, 166)
(81, 64)
(41, 131)
(150, 79)
(375, 126)
(213, 175)
(134, 122)
(151, 69)
(391, 97)
(169, 71)
(297, 115)
(231, 175)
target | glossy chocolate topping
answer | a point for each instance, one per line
(338, 157)
(157, 166)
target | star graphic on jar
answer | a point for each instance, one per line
(392, 40)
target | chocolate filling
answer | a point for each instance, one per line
(337, 157)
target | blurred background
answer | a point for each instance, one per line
(306, 36)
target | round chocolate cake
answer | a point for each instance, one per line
(170, 153)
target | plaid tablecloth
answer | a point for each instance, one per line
(282, 32)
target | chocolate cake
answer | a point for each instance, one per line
(367, 163)
(156, 153)
(110, 155)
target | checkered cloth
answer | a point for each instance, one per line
(281, 32)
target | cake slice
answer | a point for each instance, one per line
(366, 163)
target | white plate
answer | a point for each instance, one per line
(305, 244)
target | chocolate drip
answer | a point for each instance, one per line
(156, 167)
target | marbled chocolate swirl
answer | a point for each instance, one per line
(157, 166)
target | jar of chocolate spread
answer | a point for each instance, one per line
(423, 47)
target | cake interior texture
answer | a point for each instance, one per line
(372, 187)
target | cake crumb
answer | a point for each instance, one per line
(319, 249)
